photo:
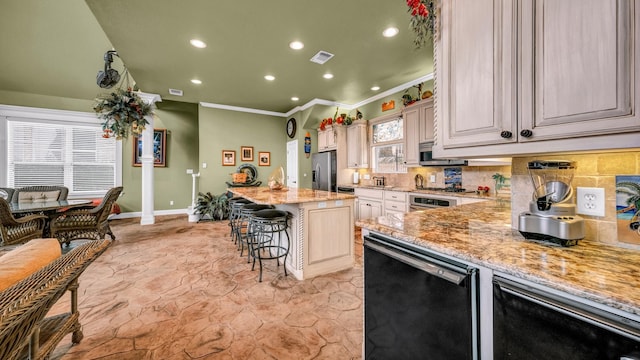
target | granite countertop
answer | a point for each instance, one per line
(481, 233)
(263, 195)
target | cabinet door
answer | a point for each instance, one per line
(357, 147)
(577, 68)
(475, 59)
(411, 118)
(376, 208)
(331, 138)
(426, 123)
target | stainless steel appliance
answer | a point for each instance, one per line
(531, 323)
(552, 211)
(345, 190)
(323, 171)
(426, 157)
(427, 201)
(417, 304)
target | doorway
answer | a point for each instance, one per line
(292, 163)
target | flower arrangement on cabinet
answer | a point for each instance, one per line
(123, 112)
(342, 119)
(423, 17)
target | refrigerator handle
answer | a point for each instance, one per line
(316, 173)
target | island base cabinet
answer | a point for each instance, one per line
(322, 238)
(531, 324)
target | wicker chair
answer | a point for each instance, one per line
(37, 190)
(85, 223)
(24, 330)
(17, 231)
(8, 191)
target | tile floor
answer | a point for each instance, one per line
(180, 290)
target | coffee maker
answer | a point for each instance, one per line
(552, 210)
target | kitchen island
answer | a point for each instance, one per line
(321, 227)
(601, 276)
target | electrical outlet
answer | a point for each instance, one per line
(432, 178)
(590, 201)
(171, 202)
(189, 171)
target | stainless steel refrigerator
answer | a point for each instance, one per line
(323, 171)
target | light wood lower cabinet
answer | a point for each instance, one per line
(369, 203)
(321, 236)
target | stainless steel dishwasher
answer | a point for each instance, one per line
(417, 304)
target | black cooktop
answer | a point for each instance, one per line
(443, 189)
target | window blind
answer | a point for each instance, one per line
(71, 155)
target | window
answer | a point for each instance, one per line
(43, 151)
(387, 145)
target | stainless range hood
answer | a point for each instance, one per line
(426, 157)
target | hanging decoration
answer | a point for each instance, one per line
(423, 18)
(122, 111)
(307, 144)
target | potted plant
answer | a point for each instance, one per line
(123, 112)
(212, 207)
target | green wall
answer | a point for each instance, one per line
(171, 183)
(229, 130)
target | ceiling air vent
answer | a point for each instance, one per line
(175, 92)
(321, 57)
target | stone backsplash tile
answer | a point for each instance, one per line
(592, 170)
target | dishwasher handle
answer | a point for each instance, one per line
(592, 316)
(420, 264)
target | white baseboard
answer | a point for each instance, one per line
(138, 214)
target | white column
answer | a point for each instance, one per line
(147, 217)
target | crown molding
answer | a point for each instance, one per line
(317, 101)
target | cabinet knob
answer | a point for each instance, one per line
(506, 134)
(526, 133)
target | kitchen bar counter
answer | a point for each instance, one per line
(262, 195)
(321, 227)
(481, 233)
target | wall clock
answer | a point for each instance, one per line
(291, 128)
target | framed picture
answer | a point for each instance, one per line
(264, 158)
(159, 148)
(228, 158)
(246, 153)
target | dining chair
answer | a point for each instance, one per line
(17, 231)
(6, 193)
(40, 193)
(86, 223)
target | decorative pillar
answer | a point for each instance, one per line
(146, 158)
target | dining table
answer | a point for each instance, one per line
(18, 208)
(48, 208)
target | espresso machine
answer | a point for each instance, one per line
(552, 210)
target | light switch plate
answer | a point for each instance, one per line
(590, 201)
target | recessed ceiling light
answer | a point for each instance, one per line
(375, 88)
(198, 43)
(295, 98)
(296, 45)
(196, 81)
(390, 32)
(269, 77)
(328, 76)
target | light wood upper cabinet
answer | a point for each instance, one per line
(426, 121)
(577, 68)
(327, 139)
(511, 74)
(357, 145)
(418, 127)
(411, 125)
(476, 73)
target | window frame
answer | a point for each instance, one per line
(54, 117)
(400, 166)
